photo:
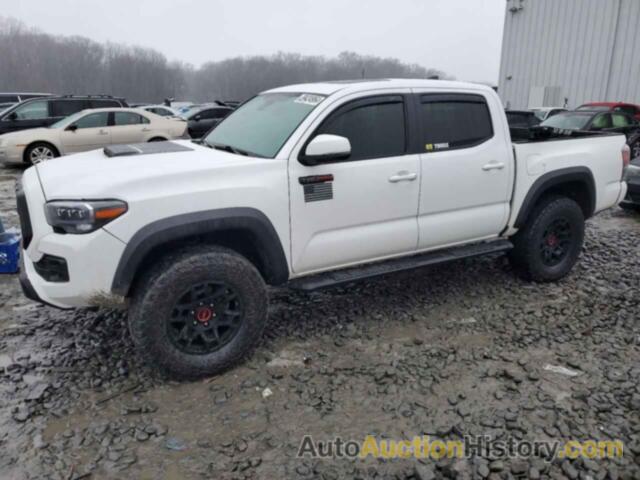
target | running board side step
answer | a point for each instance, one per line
(361, 272)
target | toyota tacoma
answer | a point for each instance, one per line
(308, 186)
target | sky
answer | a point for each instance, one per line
(461, 37)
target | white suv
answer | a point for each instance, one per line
(311, 185)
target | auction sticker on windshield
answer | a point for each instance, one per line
(309, 99)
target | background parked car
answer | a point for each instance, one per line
(522, 118)
(520, 123)
(628, 108)
(17, 97)
(88, 130)
(200, 121)
(42, 112)
(632, 176)
(546, 112)
(161, 110)
(593, 121)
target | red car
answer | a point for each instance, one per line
(628, 108)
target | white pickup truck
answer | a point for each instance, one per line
(308, 185)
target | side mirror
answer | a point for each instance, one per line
(12, 116)
(326, 148)
(72, 128)
(197, 118)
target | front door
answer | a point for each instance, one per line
(91, 132)
(467, 171)
(364, 207)
(33, 114)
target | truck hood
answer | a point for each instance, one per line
(95, 175)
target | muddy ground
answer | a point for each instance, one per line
(446, 351)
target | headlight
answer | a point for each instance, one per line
(82, 216)
(632, 171)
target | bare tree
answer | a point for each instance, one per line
(35, 61)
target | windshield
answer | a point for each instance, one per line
(594, 108)
(567, 121)
(262, 125)
(66, 121)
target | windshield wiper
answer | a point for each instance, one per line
(227, 148)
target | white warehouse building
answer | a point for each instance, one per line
(569, 52)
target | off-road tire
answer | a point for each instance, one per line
(527, 257)
(154, 298)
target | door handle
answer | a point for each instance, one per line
(493, 166)
(403, 176)
(102, 132)
(146, 129)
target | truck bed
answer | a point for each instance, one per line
(549, 153)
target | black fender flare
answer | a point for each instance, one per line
(195, 224)
(552, 179)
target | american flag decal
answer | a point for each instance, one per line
(316, 192)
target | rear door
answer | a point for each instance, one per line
(129, 127)
(466, 168)
(92, 132)
(64, 107)
(364, 207)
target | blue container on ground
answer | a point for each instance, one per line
(9, 251)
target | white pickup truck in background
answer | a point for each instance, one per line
(307, 185)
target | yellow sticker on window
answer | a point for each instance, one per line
(429, 146)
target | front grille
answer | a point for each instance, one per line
(23, 212)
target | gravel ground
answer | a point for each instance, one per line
(447, 351)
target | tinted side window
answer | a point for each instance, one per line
(64, 108)
(619, 120)
(128, 118)
(375, 130)
(33, 111)
(517, 119)
(104, 103)
(454, 121)
(601, 121)
(9, 99)
(94, 120)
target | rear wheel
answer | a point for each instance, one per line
(198, 312)
(158, 139)
(40, 152)
(547, 248)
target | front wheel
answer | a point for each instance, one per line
(40, 152)
(198, 312)
(547, 248)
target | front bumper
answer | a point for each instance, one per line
(11, 155)
(91, 259)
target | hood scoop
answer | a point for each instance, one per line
(144, 149)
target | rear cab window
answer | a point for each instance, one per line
(453, 121)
